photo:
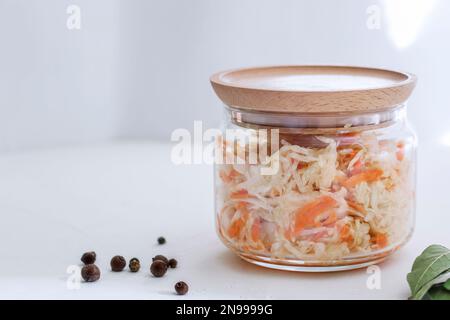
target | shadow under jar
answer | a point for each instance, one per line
(315, 166)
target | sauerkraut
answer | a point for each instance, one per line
(333, 197)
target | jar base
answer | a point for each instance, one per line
(307, 266)
(298, 265)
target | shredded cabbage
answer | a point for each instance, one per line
(350, 196)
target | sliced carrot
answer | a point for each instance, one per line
(237, 225)
(224, 176)
(300, 165)
(356, 206)
(241, 194)
(380, 239)
(352, 154)
(228, 177)
(256, 227)
(349, 134)
(235, 228)
(340, 179)
(345, 234)
(233, 174)
(242, 206)
(370, 175)
(357, 167)
(400, 154)
(305, 217)
(288, 234)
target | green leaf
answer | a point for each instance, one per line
(433, 262)
(438, 293)
(447, 284)
(439, 280)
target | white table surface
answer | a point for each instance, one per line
(117, 198)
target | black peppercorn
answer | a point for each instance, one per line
(118, 263)
(161, 240)
(161, 258)
(158, 268)
(134, 265)
(181, 287)
(173, 263)
(90, 273)
(88, 257)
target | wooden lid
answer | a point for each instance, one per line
(313, 89)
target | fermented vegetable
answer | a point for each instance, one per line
(333, 197)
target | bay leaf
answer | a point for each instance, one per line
(433, 262)
(447, 284)
(438, 293)
(441, 279)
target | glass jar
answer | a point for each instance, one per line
(315, 166)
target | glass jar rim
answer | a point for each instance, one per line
(343, 121)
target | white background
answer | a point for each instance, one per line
(140, 68)
(86, 117)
